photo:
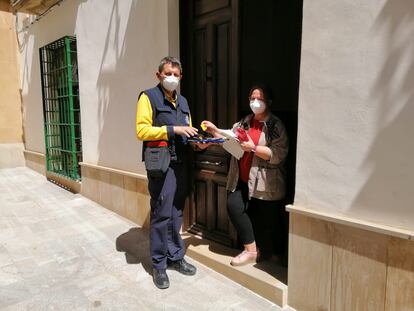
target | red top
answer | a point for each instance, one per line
(245, 161)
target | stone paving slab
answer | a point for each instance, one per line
(61, 251)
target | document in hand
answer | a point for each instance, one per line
(232, 144)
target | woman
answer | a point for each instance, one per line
(256, 182)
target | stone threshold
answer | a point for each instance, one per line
(266, 279)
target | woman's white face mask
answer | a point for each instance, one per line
(170, 83)
(257, 106)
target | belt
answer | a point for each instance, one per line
(158, 143)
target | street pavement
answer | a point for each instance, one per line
(62, 251)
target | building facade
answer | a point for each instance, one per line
(352, 221)
(351, 235)
(116, 60)
(11, 133)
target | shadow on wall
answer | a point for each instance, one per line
(29, 73)
(123, 59)
(37, 35)
(388, 192)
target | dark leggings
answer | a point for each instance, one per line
(258, 220)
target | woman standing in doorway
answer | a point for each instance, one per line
(256, 182)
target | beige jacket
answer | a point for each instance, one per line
(267, 179)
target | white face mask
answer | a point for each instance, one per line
(257, 106)
(170, 83)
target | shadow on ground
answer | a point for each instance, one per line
(135, 245)
(274, 268)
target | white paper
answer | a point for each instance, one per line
(227, 133)
(232, 144)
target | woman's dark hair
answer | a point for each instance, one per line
(266, 91)
(273, 131)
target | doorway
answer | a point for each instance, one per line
(226, 47)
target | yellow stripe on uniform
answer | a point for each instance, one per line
(144, 128)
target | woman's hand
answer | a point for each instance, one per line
(209, 127)
(247, 146)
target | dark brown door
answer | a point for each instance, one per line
(209, 51)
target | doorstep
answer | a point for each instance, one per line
(264, 278)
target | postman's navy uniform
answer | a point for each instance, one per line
(168, 190)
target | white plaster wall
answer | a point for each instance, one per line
(60, 22)
(355, 135)
(120, 44)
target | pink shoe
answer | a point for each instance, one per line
(244, 258)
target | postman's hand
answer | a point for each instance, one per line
(188, 131)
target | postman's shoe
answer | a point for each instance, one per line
(245, 258)
(183, 267)
(160, 278)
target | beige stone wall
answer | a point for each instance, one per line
(10, 103)
(35, 161)
(333, 267)
(11, 133)
(118, 191)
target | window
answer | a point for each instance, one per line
(61, 108)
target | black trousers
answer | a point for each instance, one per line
(258, 220)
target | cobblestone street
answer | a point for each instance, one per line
(58, 251)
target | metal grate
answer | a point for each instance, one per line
(61, 109)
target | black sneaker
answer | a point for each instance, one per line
(160, 278)
(183, 267)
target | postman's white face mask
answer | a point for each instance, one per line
(257, 106)
(170, 83)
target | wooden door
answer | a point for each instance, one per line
(209, 52)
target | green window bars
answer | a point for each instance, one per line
(61, 109)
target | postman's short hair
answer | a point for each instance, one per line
(170, 60)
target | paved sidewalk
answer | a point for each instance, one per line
(58, 251)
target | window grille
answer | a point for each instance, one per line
(61, 108)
